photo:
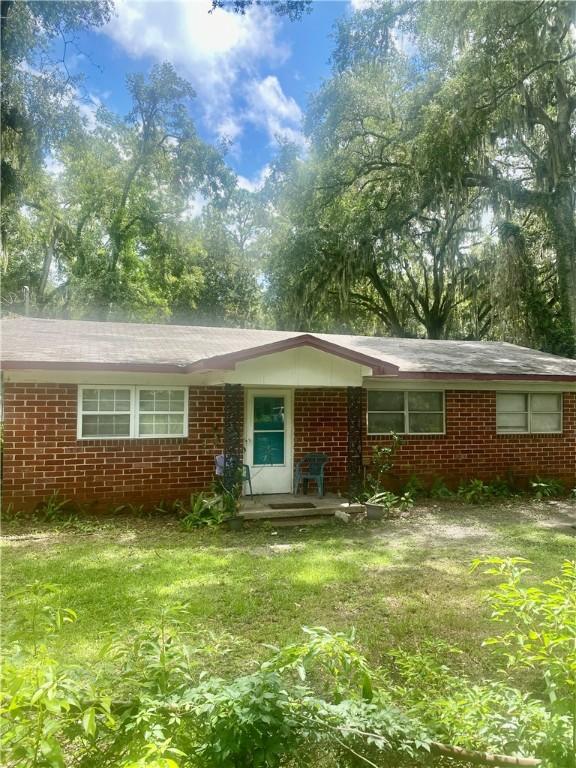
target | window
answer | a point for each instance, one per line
(105, 412)
(116, 412)
(523, 412)
(415, 413)
(161, 412)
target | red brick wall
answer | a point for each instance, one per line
(321, 426)
(43, 455)
(472, 449)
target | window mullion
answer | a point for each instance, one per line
(134, 412)
(406, 419)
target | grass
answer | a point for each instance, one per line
(397, 582)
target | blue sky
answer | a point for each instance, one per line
(253, 74)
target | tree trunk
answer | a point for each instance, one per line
(560, 216)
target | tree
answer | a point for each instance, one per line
(426, 131)
(232, 264)
(38, 102)
(365, 230)
(112, 232)
(293, 9)
(500, 113)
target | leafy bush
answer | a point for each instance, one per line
(197, 511)
(390, 501)
(383, 458)
(540, 628)
(148, 703)
(53, 508)
(133, 509)
(545, 488)
(460, 711)
(200, 511)
(477, 491)
(415, 488)
(439, 489)
(10, 514)
(503, 488)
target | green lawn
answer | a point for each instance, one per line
(396, 582)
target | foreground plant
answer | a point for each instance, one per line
(149, 703)
(540, 629)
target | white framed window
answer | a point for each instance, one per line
(523, 412)
(410, 413)
(107, 411)
(104, 412)
(161, 412)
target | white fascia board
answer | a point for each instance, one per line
(471, 385)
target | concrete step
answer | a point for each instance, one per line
(265, 513)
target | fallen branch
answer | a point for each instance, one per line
(456, 753)
(482, 758)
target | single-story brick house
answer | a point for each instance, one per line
(113, 412)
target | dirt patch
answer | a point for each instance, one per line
(428, 525)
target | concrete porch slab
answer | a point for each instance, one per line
(259, 507)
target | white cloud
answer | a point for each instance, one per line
(360, 5)
(88, 108)
(404, 42)
(195, 206)
(229, 128)
(216, 51)
(53, 166)
(271, 109)
(256, 182)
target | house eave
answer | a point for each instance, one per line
(214, 365)
(461, 376)
(44, 365)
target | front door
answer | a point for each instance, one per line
(269, 440)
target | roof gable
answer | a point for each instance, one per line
(229, 361)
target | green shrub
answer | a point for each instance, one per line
(439, 490)
(478, 491)
(10, 514)
(383, 458)
(391, 501)
(130, 508)
(474, 491)
(460, 711)
(546, 488)
(415, 488)
(200, 511)
(540, 631)
(148, 704)
(53, 508)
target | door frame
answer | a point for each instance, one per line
(288, 394)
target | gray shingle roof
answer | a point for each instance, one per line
(48, 342)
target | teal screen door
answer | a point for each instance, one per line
(269, 430)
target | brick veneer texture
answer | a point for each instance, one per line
(321, 426)
(42, 453)
(471, 448)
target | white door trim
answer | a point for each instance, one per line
(274, 478)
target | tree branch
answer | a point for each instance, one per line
(510, 190)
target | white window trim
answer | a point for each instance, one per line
(134, 412)
(529, 430)
(406, 430)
